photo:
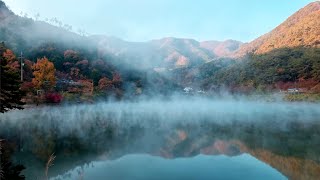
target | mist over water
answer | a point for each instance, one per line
(174, 110)
(154, 114)
(179, 126)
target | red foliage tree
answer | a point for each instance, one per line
(105, 84)
(53, 97)
(116, 80)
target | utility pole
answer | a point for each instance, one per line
(21, 65)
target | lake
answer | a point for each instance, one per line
(166, 139)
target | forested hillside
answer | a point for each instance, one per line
(281, 69)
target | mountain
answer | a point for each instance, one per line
(4, 10)
(182, 52)
(21, 33)
(221, 49)
(300, 29)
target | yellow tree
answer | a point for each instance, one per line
(44, 74)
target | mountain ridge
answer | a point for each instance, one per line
(168, 52)
(300, 29)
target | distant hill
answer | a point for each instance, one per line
(166, 52)
(221, 49)
(301, 29)
(23, 31)
(182, 52)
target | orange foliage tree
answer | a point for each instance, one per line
(44, 74)
(87, 86)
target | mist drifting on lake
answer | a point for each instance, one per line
(166, 112)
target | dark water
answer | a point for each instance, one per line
(177, 139)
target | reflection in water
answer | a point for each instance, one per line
(146, 167)
(275, 137)
(294, 168)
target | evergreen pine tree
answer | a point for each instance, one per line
(10, 93)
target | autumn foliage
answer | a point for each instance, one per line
(44, 74)
(11, 60)
(105, 84)
(53, 97)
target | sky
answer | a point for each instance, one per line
(143, 20)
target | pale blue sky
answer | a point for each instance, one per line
(141, 20)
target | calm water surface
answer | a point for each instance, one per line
(146, 167)
(179, 139)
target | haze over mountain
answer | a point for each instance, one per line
(21, 32)
(167, 52)
(222, 49)
(302, 29)
(162, 53)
